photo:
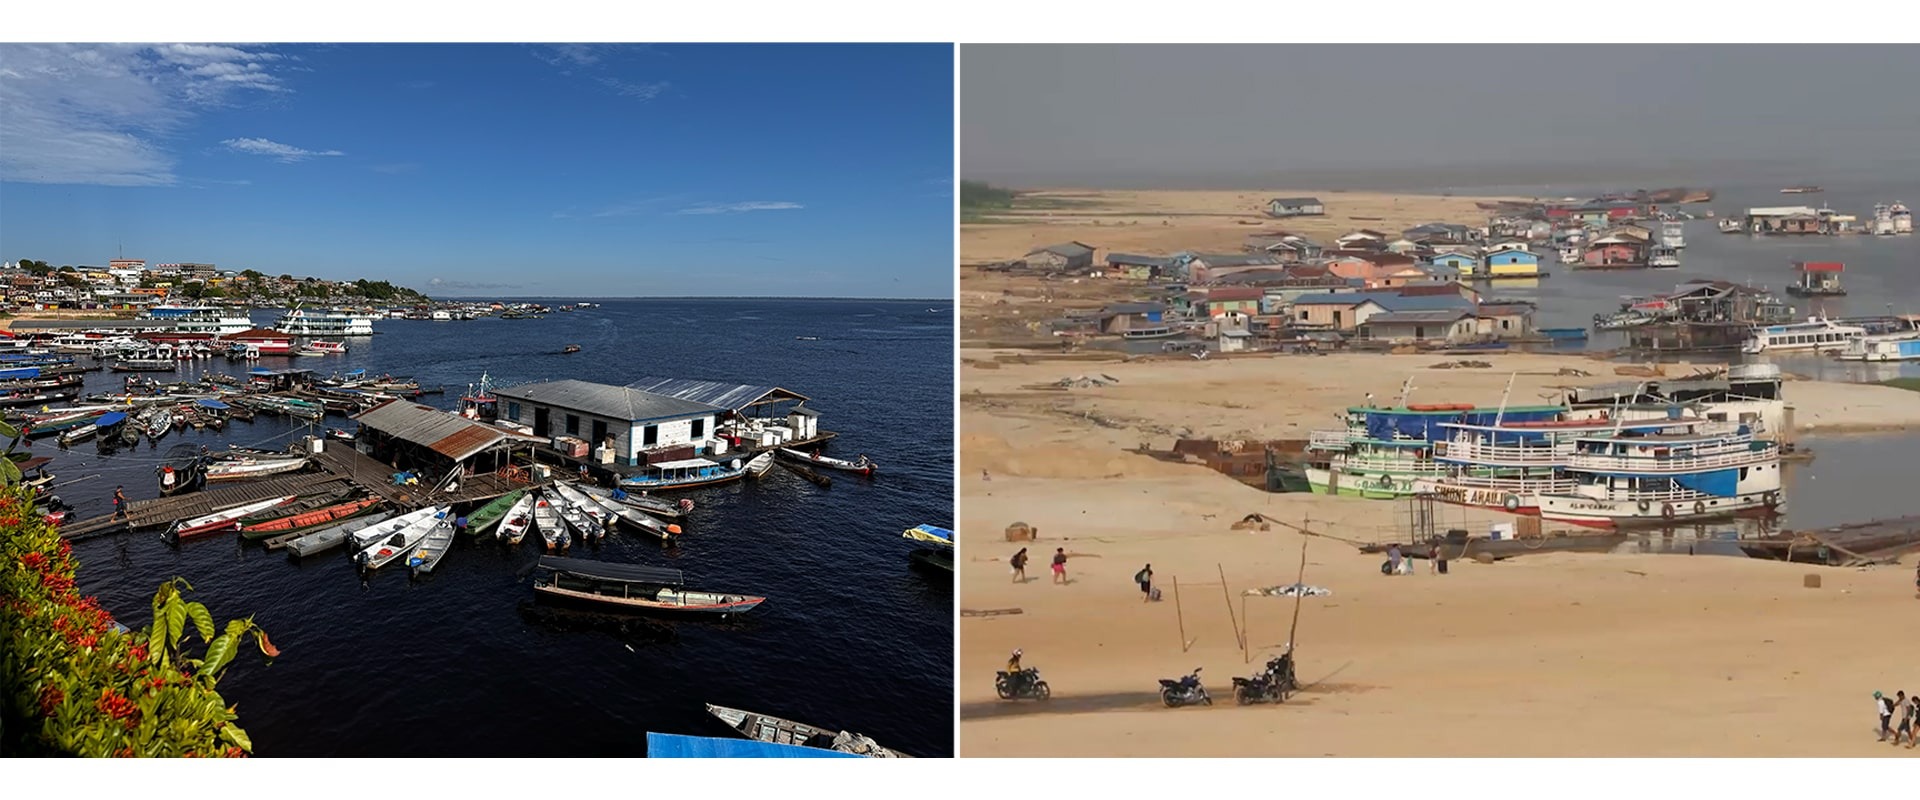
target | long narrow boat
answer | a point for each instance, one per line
(428, 554)
(218, 521)
(764, 728)
(632, 587)
(362, 538)
(929, 534)
(631, 516)
(664, 509)
(233, 469)
(402, 542)
(588, 525)
(547, 519)
(513, 526)
(485, 517)
(330, 537)
(688, 473)
(103, 423)
(61, 424)
(758, 465)
(864, 466)
(319, 517)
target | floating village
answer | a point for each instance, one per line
(1439, 286)
(1686, 455)
(383, 482)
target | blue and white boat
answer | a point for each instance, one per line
(1509, 465)
(1903, 346)
(686, 474)
(1689, 471)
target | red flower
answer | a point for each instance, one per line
(50, 699)
(235, 752)
(124, 752)
(66, 548)
(139, 652)
(32, 560)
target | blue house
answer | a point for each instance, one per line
(1458, 262)
(1513, 264)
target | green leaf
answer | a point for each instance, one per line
(9, 472)
(237, 737)
(157, 642)
(8, 431)
(176, 621)
(202, 620)
(219, 653)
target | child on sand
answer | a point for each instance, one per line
(1884, 705)
(1019, 562)
(1145, 578)
(1060, 565)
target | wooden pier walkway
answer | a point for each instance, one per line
(339, 467)
(164, 510)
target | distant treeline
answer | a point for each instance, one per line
(979, 194)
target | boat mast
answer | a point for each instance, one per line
(1497, 417)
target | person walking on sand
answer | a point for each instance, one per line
(1903, 718)
(1884, 706)
(1145, 578)
(1060, 565)
(1433, 558)
(1019, 562)
(1393, 560)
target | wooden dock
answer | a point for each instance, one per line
(164, 510)
(338, 467)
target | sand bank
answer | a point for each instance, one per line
(1595, 655)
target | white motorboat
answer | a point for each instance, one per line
(513, 527)
(402, 542)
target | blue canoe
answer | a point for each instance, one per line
(669, 745)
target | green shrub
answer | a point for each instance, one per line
(72, 683)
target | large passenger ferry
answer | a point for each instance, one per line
(326, 322)
(1814, 334)
(1692, 470)
(212, 320)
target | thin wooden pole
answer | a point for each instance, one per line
(1299, 592)
(1228, 596)
(1180, 613)
(1246, 654)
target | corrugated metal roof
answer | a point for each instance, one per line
(1415, 317)
(1296, 201)
(612, 402)
(448, 434)
(1129, 259)
(730, 396)
(1068, 249)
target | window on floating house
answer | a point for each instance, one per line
(650, 436)
(513, 411)
(699, 428)
(573, 425)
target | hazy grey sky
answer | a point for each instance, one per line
(1223, 114)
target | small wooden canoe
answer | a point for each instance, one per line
(431, 550)
(311, 519)
(226, 520)
(631, 516)
(513, 527)
(327, 538)
(863, 467)
(766, 728)
(484, 518)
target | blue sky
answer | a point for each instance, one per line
(609, 170)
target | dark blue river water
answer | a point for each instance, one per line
(463, 663)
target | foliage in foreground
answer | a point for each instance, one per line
(71, 683)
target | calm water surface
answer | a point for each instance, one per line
(463, 663)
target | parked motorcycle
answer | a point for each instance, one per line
(1185, 691)
(1025, 684)
(1271, 685)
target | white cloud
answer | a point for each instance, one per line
(738, 208)
(103, 114)
(637, 91)
(286, 153)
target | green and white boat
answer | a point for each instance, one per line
(1388, 453)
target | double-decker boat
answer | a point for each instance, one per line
(1384, 453)
(1687, 471)
(1816, 333)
